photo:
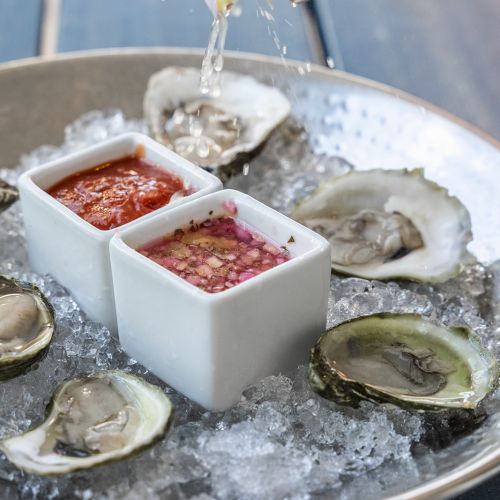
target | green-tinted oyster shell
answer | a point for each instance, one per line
(27, 325)
(352, 362)
(93, 420)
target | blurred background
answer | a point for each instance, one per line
(445, 51)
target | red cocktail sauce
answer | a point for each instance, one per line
(215, 255)
(115, 193)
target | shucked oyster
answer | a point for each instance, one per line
(212, 131)
(26, 325)
(386, 224)
(402, 359)
(8, 195)
(92, 420)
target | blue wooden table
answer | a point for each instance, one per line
(445, 51)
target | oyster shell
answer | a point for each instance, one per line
(92, 420)
(26, 325)
(385, 224)
(402, 359)
(8, 195)
(212, 131)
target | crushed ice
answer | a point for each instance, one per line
(281, 440)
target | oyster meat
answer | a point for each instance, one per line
(8, 195)
(212, 131)
(99, 418)
(26, 325)
(402, 359)
(385, 224)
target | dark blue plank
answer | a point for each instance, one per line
(445, 51)
(19, 28)
(93, 24)
(489, 490)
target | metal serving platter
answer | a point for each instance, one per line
(369, 124)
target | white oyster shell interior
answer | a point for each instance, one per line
(212, 131)
(386, 224)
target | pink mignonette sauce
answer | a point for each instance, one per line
(216, 254)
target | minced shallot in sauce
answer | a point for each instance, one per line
(215, 255)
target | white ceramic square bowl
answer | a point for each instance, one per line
(73, 251)
(211, 346)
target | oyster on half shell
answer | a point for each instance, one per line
(385, 224)
(8, 195)
(212, 131)
(26, 325)
(402, 359)
(95, 419)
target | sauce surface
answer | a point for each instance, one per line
(215, 255)
(115, 193)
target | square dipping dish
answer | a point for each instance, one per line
(76, 252)
(211, 346)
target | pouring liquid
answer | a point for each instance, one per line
(213, 62)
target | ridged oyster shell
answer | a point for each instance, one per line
(403, 359)
(385, 224)
(91, 420)
(212, 131)
(26, 325)
(8, 195)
